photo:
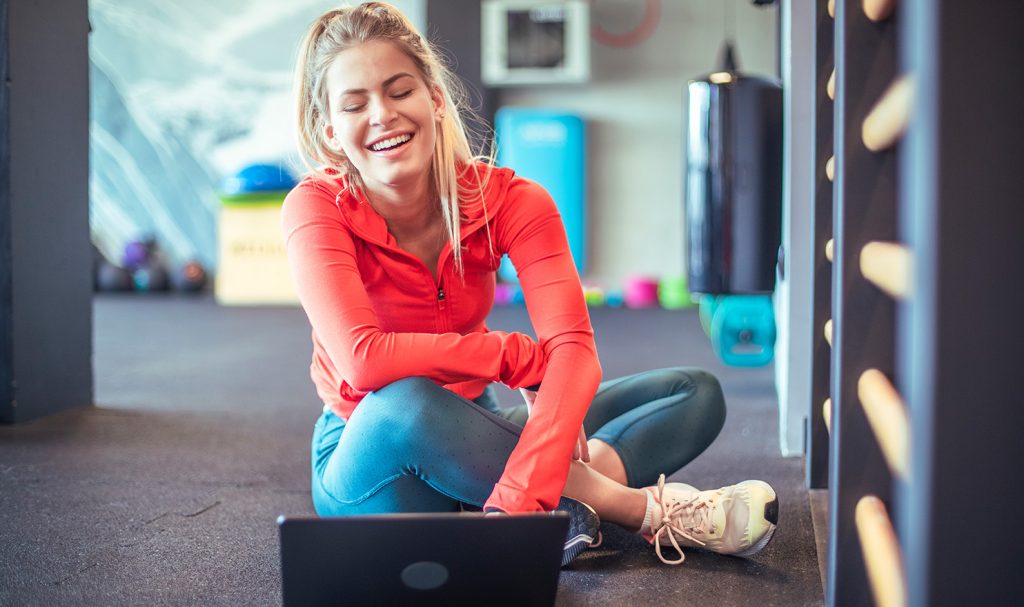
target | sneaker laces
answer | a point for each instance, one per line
(681, 519)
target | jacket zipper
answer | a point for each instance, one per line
(442, 297)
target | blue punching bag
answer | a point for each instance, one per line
(548, 147)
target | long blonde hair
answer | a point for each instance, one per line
(344, 28)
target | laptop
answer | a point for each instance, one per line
(422, 559)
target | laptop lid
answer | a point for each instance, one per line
(422, 559)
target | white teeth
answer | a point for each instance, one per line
(390, 143)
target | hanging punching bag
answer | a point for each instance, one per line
(733, 181)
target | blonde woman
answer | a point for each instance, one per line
(393, 240)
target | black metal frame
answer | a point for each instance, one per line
(821, 222)
(6, 323)
(863, 316)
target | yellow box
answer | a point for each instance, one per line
(252, 264)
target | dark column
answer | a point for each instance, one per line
(45, 257)
(963, 326)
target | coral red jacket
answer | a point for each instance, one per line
(378, 315)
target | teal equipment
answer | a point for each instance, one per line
(548, 147)
(741, 327)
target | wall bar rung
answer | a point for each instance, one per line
(879, 10)
(882, 557)
(887, 415)
(830, 88)
(830, 168)
(826, 413)
(830, 247)
(888, 120)
(887, 265)
(828, 331)
(832, 8)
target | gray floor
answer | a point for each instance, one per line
(167, 491)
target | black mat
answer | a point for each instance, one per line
(166, 493)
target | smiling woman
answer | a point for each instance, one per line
(393, 240)
(386, 128)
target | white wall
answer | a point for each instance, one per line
(634, 106)
(794, 294)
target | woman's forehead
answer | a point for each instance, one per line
(368, 66)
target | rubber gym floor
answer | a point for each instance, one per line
(166, 492)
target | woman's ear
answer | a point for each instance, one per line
(437, 96)
(329, 135)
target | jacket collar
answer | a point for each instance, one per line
(476, 210)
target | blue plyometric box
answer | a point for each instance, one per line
(548, 147)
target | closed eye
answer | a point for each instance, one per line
(402, 95)
(353, 108)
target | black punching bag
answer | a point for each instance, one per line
(733, 182)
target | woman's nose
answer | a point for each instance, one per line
(382, 112)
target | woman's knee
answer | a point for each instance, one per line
(403, 398)
(402, 410)
(706, 394)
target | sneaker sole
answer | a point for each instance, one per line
(575, 547)
(580, 542)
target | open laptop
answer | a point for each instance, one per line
(422, 559)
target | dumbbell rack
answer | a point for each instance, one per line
(924, 226)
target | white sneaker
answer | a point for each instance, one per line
(738, 519)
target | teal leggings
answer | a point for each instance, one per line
(414, 446)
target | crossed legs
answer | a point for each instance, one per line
(414, 446)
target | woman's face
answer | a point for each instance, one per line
(382, 115)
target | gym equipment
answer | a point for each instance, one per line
(640, 292)
(252, 267)
(741, 327)
(138, 252)
(518, 297)
(503, 294)
(673, 294)
(146, 266)
(614, 298)
(111, 278)
(548, 147)
(733, 181)
(190, 277)
(259, 178)
(151, 277)
(706, 311)
(593, 295)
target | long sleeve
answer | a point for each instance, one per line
(323, 260)
(530, 229)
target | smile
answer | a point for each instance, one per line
(391, 143)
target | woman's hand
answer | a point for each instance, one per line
(581, 451)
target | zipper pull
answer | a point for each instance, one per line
(440, 294)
